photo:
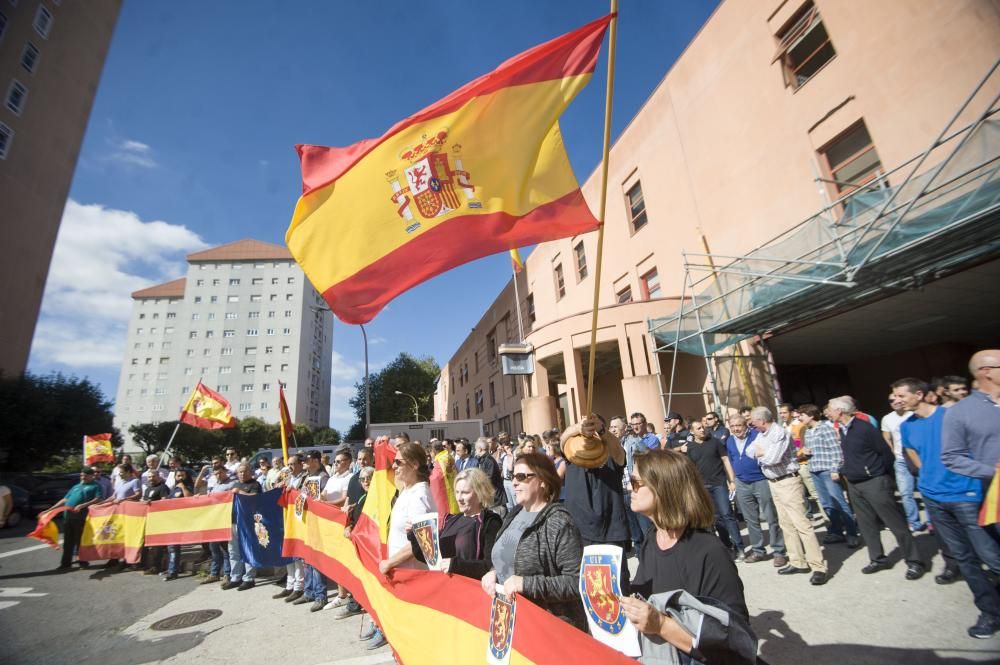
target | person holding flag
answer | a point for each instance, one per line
(79, 498)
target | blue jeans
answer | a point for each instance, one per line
(831, 497)
(220, 560)
(754, 500)
(315, 584)
(904, 484)
(725, 520)
(173, 559)
(957, 525)
(238, 565)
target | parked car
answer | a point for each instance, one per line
(50, 489)
(21, 508)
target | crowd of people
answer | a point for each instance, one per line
(816, 475)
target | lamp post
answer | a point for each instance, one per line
(416, 411)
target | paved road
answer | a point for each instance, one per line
(85, 617)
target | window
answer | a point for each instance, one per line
(43, 22)
(467, 413)
(651, 285)
(156, 407)
(187, 371)
(513, 385)
(234, 281)
(171, 315)
(29, 57)
(491, 348)
(245, 406)
(213, 299)
(3, 25)
(274, 280)
(164, 360)
(161, 391)
(269, 331)
(138, 331)
(228, 333)
(199, 282)
(255, 298)
(211, 315)
(851, 159)
(206, 352)
(135, 361)
(256, 280)
(273, 297)
(152, 331)
(636, 207)
(16, 96)
(247, 387)
(286, 331)
(479, 400)
(624, 296)
(233, 299)
(197, 299)
(289, 296)
(560, 281)
(225, 369)
(493, 394)
(284, 367)
(250, 351)
(530, 302)
(142, 316)
(190, 353)
(253, 315)
(249, 369)
(169, 330)
(268, 349)
(195, 316)
(270, 315)
(143, 392)
(216, 282)
(266, 387)
(581, 261)
(286, 349)
(291, 280)
(165, 346)
(209, 333)
(288, 313)
(232, 315)
(263, 406)
(803, 46)
(226, 351)
(251, 332)
(193, 334)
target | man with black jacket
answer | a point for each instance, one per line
(868, 465)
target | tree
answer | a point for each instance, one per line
(44, 418)
(326, 437)
(407, 374)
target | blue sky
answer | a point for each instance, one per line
(190, 144)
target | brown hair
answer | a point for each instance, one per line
(415, 455)
(545, 471)
(682, 502)
(811, 410)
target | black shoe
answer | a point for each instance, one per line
(875, 566)
(84, 564)
(246, 585)
(985, 627)
(317, 606)
(948, 576)
(295, 595)
(792, 570)
(818, 578)
(853, 542)
(170, 577)
(282, 594)
(832, 538)
(914, 571)
(229, 584)
(64, 567)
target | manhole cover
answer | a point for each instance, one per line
(186, 620)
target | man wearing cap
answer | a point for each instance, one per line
(79, 498)
(675, 434)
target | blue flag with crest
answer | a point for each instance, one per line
(260, 524)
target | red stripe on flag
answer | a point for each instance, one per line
(189, 537)
(361, 296)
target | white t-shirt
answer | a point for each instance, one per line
(890, 423)
(336, 487)
(411, 503)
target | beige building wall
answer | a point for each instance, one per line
(727, 157)
(39, 143)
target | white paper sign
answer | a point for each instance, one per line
(501, 635)
(600, 589)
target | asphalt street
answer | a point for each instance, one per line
(92, 616)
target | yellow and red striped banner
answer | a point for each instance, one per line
(114, 531)
(97, 448)
(205, 518)
(476, 173)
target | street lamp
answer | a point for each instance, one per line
(416, 412)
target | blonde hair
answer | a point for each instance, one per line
(681, 500)
(481, 486)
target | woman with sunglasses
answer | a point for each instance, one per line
(538, 550)
(414, 499)
(681, 552)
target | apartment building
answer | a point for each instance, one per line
(781, 119)
(243, 319)
(51, 57)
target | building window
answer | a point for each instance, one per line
(624, 296)
(286, 349)
(215, 282)
(233, 299)
(169, 330)
(560, 281)
(171, 315)
(225, 369)
(468, 414)
(247, 387)
(286, 331)
(29, 58)
(475, 361)
(803, 46)
(269, 331)
(249, 369)
(251, 332)
(581, 261)
(513, 385)
(234, 281)
(651, 285)
(193, 334)
(266, 387)
(226, 351)
(253, 315)
(215, 299)
(284, 367)
(16, 96)
(245, 406)
(255, 298)
(250, 351)
(479, 401)
(491, 348)
(228, 333)
(851, 159)
(493, 394)
(256, 281)
(195, 316)
(636, 207)
(43, 22)
(291, 280)
(197, 300)
(232, 315)
(209, 334)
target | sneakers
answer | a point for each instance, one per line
(780, 561)
(738, 554)
(301, 600)
(248, 584)
(293, 596)
(317, 606)
(349, 610)
(368, 630)
(377, 641)
(282, 594)
(211, 579)
(985, 627)
(340, 602)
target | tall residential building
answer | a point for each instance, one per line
(244, 318)
(783, 188)
(51, 56)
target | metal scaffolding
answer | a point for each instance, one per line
(943, 214)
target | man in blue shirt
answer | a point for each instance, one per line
(952, 501)
(79, 498)
(753, 494)
(636, 441)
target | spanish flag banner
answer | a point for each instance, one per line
(205, 518)
(476, 173)
(207, 409)
(46, 530)
(285, 419)
(428, 617)
(442, 485)
(989, 513)
(97, 448)
(371, 534)
(114, 531)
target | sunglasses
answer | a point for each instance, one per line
(521, 477)
(637, 483)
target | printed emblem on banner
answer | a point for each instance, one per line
(260, 529)
(426, 181)
(108, 531)
(425, 530)
(601, 594)
(501, 627)
(300, 505)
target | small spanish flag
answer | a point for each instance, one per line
(97, 448)
(515, 260)
(989, 513)
(442, 486)
(287, 428)
(478, 172)
(47, 531)
(207, 409)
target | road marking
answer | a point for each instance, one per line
(16, 592)
(26, 549)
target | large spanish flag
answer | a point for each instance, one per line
(97, 448)
(114, 531)
(207, 409)
(205, 518)
(481, 171)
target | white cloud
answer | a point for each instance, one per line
(101, 256)
(133, 153)
(377, 340)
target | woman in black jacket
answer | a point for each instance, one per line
(538, 550)
(467, 538)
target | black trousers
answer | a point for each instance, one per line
(873, 500)
(72, 534)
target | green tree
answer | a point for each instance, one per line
(44, 419)
(325, 437)
(407, 374)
